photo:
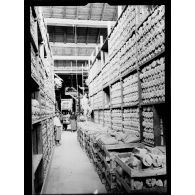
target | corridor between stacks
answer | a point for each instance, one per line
(71, 171)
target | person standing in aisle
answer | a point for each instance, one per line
(64, 122)
(73, 122)
(57, 128)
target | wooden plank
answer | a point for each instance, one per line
(148, 172)
(140, 173)
(77, 45)
(122, 146)
(78, 23)
(71, 57)
(124, 184)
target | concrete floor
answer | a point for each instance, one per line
(71, 171)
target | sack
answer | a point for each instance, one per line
(69, 126)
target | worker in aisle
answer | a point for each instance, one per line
(73, 122)
(57, 128)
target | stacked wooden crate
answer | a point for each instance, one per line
(141, 170)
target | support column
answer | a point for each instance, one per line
(119, 10)
(109, 28)
(102, 53)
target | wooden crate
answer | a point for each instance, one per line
(128, 176)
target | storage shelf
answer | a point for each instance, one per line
(151, 59)
(41, 119)
(106, 86)
(129, 106)
(121, 146)
(95, 76)
(35, 82)
(115, 80)
(124, 184)
(128, 72)
(151, 103)
(141, 173)
(36, 161)
(132, 33)
(34, 44)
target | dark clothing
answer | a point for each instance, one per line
(73, 122)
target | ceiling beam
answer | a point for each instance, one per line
(69, 72)
(102, 14)
(78, 23)
(71, 57)
(89, 45)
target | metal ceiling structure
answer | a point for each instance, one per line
(92, 11)
(91, 22)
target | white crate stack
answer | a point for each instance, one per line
(148, 125)
(151, 36)
(115, 92)
(131, 121)
(117, 120)
(153, 81)
(107, 118)
(130, 90)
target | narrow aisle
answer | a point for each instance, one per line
(71, 171)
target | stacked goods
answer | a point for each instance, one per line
(151, 36)
(95, 85)
(129, 58)
(107, 118)
(148, 125)
(95, 69)
(130, 90)
(48, 142)
(34, 67)
(116, 99)
(91, 100)
(124, 28)
(96, 117)
(33, 27)
(114, 68)
(36, 111)
(41, 72)
(147, 168)
(43, 104)
(143, 12)
(101, 117)
(98, 100)
(153, 81)
(117, 120)
(131, 119)
(106, 74)
(45, 143)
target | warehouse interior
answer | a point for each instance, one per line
(109, 62)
